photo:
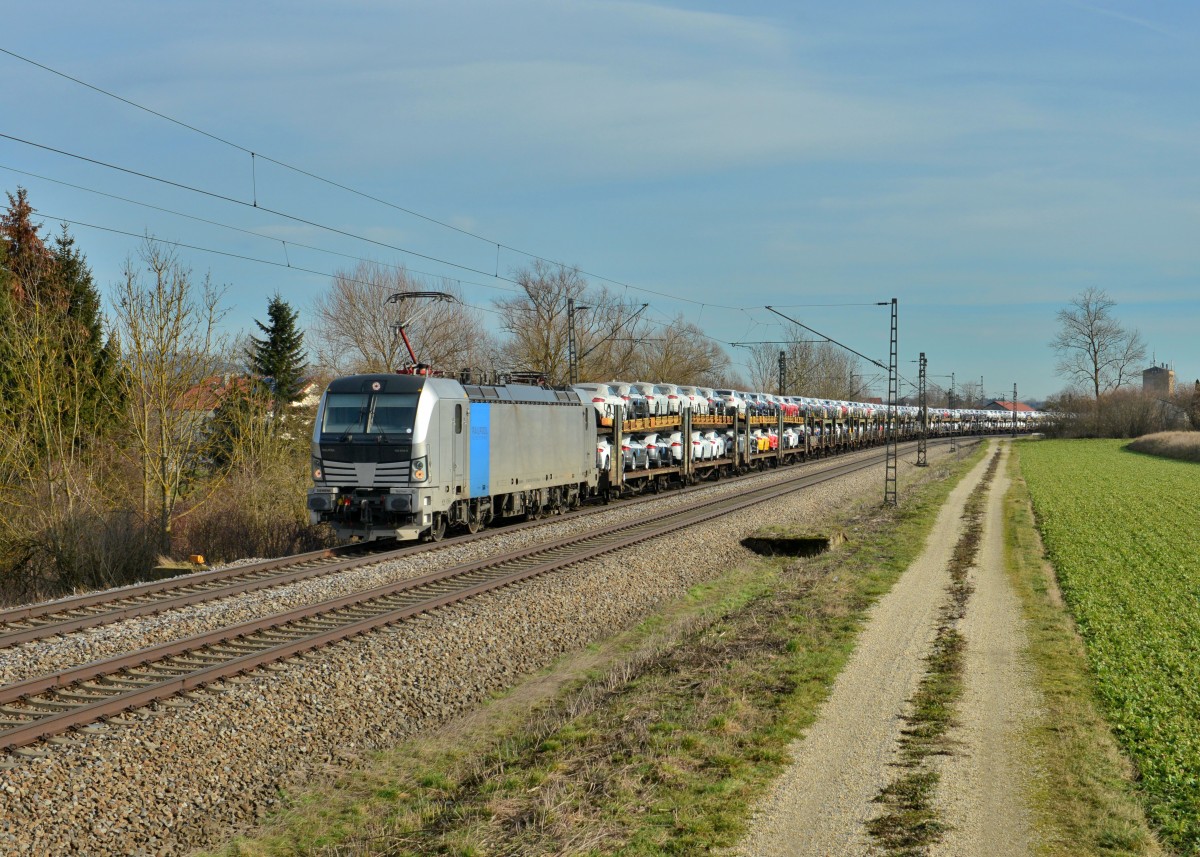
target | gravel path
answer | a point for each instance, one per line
(820, 804)
(982, 789)
(186, 773)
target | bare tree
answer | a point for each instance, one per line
(356, 328)
(609, 333)
(764, 366)
(1093, 348)
(169, 350)
(47, 453)
(680, 353)
(818, 369)
(836, 371)
(1187, 400)
(968, 394)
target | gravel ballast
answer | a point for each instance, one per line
(93, 644)
(188, 772)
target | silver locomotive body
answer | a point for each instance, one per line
(405, 456)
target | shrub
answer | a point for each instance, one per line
(251, 515)
(1122, 414)
(69, 551)
(1183, 445)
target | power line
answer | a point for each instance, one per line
(255, 259)
(288, 266)
(238, 146)
(344, 233)
(223, 198)
(254, 202)
(830, 338)
(243, 257)
(805, 306)
(667, 325)
(251, 231)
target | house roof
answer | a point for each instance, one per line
(1001, 405)
(206, 395)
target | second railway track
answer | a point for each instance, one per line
(46, 705)
(56, 618)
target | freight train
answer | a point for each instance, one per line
(411, 456)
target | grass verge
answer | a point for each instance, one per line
(657, 742)
(1084, 799)
(910, 823)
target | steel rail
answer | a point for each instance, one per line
(41, 621)
(17, 690)
(170, 668)
(139, 591)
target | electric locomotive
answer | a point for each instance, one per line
(408, 455)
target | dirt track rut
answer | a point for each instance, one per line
(822, 802)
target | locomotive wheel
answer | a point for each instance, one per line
(438, 529)
(474, 525)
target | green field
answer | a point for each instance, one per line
(1123, 533)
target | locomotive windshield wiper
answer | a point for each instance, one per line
(359, 423)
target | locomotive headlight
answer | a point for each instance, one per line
(419, 471)
(318, 474)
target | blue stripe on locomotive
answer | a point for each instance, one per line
(481, 450)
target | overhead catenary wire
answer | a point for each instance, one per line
(256, 260)
(306, 222)
(243, 257)
(222, 197)
(819, 305)
(251, 232)
(255, 155)
(830, 338)
(254, 203)
(668, 324)
(219, 139)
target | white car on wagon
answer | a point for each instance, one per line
(602, 396)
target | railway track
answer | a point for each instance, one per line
(48, 705)
(43, 621)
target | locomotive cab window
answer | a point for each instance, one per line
(458, 412)
(393, 413)
(360, 413)
(344, 412)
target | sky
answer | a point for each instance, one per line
(983, 163)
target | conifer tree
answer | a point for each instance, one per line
(279, 356)
(80, 301)
(22, 250)
(52, 308)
